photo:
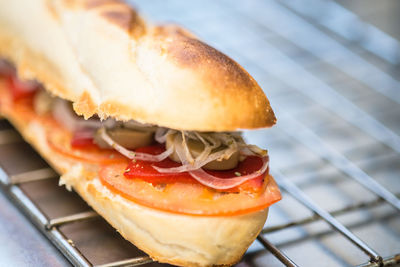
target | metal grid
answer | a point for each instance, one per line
(337, 103)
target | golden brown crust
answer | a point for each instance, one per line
(122, 19)
(120, 15)
(89, 4)
(236, 81)
(107, 60)
(85, 105)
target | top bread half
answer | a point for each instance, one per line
(102, 56)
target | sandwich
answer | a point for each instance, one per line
(143, 121)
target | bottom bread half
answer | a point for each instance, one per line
(167, 237)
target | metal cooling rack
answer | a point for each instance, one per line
(335, 151)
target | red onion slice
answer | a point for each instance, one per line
(154, 158)
(161, 134)
(132, 154)
(6, 68)
(226, 183)
(192, 164)
(189, 167)
(64, 115)
(24, 85)
(84, 133)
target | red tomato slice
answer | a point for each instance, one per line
(184, 198)
(82, 142)
(21, 89)
(83, 139)
(22, 108)
(5, 96)
(60, 141)
(145, 171)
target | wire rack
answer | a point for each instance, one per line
(335, 152)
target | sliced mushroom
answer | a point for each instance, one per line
(196, 147)
(127, 138)
(137, 126)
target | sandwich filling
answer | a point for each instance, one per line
(145, 162)
(195, 151)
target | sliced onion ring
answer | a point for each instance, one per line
(226, 183)
(198, 174)
(84, 133)
(204, 158)
(64, 115)
(132, 154)
(187, 166)
(161, 134)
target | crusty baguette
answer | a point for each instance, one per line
(103, 57)
(167, 237)
(106, 59)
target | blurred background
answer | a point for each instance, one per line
(331, 72)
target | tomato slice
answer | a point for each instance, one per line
(82, 142)
(5, 96)
(184, 198)
(21, 89)
(145, 171)
(60, 141)
(83, 139)
(22, 106)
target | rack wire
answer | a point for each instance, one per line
(50, 227)
(272, 32)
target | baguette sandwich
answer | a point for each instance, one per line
(142, 121)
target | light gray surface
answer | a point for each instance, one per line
(21, 244)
